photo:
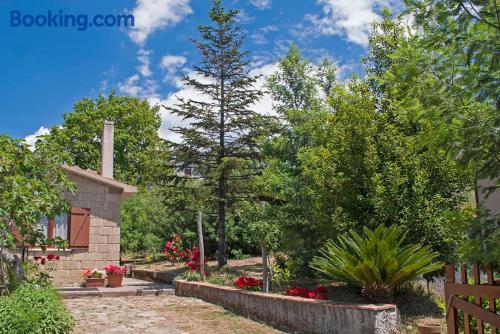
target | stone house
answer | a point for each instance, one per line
(92, 227)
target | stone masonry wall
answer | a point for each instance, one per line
(295, 313)
(104, 240)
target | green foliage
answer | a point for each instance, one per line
(190, 276)
(238, 254)
(30, 184)
(223, 276)
(148, 219)
(30, 188)
(342, 164)
(140, 155)
(377, 261)
(483, 242)
(193, 276)
(283, 269)
(34, 309)
(38, 275)
(280, 276)
(441, 82)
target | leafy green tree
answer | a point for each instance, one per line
(221, 140)
(445, 75)
(298, 89)
(30, 187)
(386, 38)
(347, 164)
(441, 81)
(299, 83)
(140, 155)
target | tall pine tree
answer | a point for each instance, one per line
(220, 138)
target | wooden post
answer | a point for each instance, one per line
(477, 280)
(201, 245)
(451, 312)
(492, 307)
(463, 279)
(265, 255)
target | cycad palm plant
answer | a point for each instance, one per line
(377, 262)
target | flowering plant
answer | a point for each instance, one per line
(248, 283)
(194, 260)
(111, 269)
(173, 250)
(92, 273)
(42, 270)
(42, 260)
(318, 293)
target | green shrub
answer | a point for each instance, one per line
(377, 262)
(223, 276)
(283, 269)
(193, 276)
(190, 276)
(238, 254)
(34, 309)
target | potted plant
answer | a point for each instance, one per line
(115, 275)
(429, 326)
(93, 278)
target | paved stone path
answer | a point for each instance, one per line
(157, 314)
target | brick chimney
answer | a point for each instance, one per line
(107, 149)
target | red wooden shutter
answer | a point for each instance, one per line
(15, 232)
(79, 227)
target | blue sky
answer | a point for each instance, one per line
(45, 70)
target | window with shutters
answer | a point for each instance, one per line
(73, 226)
(79, 228)
(54, 227)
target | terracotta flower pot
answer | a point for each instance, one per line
(94, 282)
(115, 281)
(429, 326)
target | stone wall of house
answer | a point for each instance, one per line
(104, 239)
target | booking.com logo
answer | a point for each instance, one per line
(60, 19)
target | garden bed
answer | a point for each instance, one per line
(298, 314)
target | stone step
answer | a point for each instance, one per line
(131, 287)
(116, 292)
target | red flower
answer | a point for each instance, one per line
(244, 282)
(318, 293)
(115, 270)
(51, 257)
(42, 260)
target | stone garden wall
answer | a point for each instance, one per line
(295, 313)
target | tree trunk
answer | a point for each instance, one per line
(201, 246)
(222, 256)
(265, 269)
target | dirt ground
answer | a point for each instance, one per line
(167, 314)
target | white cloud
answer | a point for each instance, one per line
(171, 65)
(243, 17)
(265, 105)
(261, 4)
(259, 36)
(31, 139)
(134, 86)
(351, 18)
(143, 58)
(151, 15)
